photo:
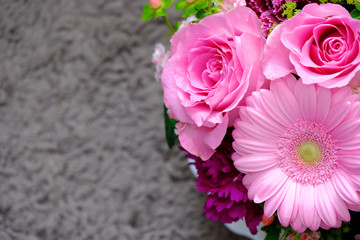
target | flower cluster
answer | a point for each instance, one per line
(283, 78)
(227, 200)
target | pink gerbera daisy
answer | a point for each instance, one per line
(299, 146)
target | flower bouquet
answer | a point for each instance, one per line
(263, 96)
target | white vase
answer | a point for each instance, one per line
(238, 227)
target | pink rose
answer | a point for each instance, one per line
(213, 66)
(320, 44)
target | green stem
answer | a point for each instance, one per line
(284, 235)
(166, 20)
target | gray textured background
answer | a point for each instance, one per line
(83, 154)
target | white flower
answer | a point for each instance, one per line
(159, 58)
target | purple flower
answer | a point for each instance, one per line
(227, 200)
(270, 12)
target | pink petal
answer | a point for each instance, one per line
(286, 100)
(324, 206)
(323, 104)
(276, 61)
(288, 206)
(245, 117)
(336, 114)
(307, 205)
(306, 95)
(245, 129)
(248, 179)
(351, 144)
(340, 95)
(273, 203)
(350, 163)
(294, 214)
(270, 106)
(171, 98)
(254, 162)
(337, 203)
(263, 120)
(346, 130)
(297, 225)
(267, 184)
(344, 187)
(355, 179)
(253, 146)
(202, 141)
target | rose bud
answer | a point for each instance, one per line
(267, 221)
(155, 4)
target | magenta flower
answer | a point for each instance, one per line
(227, 200)
(270, 11)
(299, 146)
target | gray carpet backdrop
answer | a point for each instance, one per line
(83, 154)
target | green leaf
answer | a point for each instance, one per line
(201, 4)
(297, 237)
(201, 14)
(169, 129)
(159, 13)
(355, 13)
(166, 3)
(357, 4)
(177, 25)
(272, 231)
(181, 5)
(147, 13)
(191, 10)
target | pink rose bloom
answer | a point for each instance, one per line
(320, 44)
(357, 237)
(213, 66)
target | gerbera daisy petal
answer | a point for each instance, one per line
(356, 181)
(323, 104)
(273, 203)
(316, 223)
(341, 94)
(307, 99)
(344, 187)
(254, 163)
(350, 163)
(307, 205)
(337, 114)
(313, 178)
(287, 207)
(253, 145)
(247, 129)
(351, 144)
(340, 209)
(323, 205)
(269, 104)
(267, 184)
(264, 120)
(346, 130)
(297, 225)
(286, 101)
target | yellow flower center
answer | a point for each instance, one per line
(309, 152)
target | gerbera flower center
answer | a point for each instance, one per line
(307, 153)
